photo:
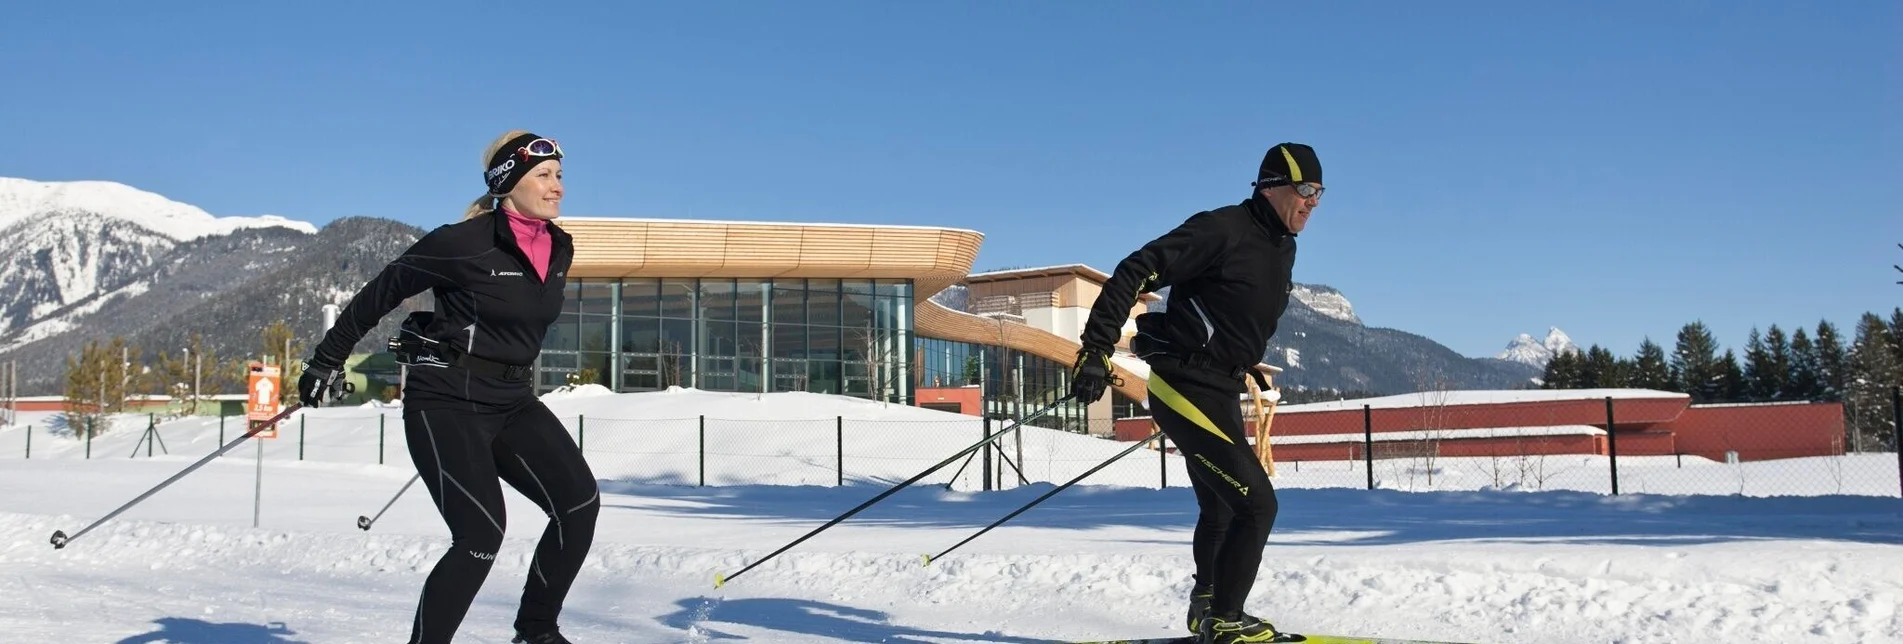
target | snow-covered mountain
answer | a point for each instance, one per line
(1525, 349)
(1326, 301)
(72, 246)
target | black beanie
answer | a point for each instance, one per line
(513, 160)
(1288, 163)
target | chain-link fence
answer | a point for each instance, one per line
(1609, 446)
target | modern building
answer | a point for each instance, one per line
(858, 310)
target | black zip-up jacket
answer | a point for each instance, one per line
(490, 303)
(1229, 272)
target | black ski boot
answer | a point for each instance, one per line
(551, 636)
(1239, 628)
(1199, 598)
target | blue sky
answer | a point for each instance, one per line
(1487, 162)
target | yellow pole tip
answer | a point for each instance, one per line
(719, 580)
(926, 559)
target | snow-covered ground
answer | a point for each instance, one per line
(1676, 558)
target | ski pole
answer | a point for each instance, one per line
(363, 523)
(721, 580)
(59, 536)
(1040, 499)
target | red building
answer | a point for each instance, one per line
(1504, 423)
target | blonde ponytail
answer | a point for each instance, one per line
(486, 203)
(482, 204)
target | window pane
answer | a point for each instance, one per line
(789, 341)
(747, 373)
(640, 296)
(716, 299)
(789, 302)
(599, 363)
(901, 288)
(749, 298)
(822, 376)
(789, 375)
(822, 302)
(748, 341)
(822, 343)
(677, 337)
(595, 330)
(563, 334)
(640, 381)
(857, 313)
(597, 296)
(719, 339)
(640, 334)
(677, 298)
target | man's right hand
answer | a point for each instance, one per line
(1091, 375)
(318, 383)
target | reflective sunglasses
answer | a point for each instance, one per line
(540, 148)
(1305, 189)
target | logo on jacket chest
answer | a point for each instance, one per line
(497, 273)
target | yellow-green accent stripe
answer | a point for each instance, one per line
(1163, 391)
(1294, 169)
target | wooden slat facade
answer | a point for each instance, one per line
(933, 258)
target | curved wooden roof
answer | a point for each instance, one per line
(933, 258)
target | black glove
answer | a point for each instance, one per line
(320, 382)
(1091, 375)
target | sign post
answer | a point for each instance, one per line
(261, 406)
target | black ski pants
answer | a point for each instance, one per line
(1236, 501)
(462, 456)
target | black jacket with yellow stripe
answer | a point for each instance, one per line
(1229, 271)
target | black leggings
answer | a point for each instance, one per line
(1236, 500)
(460, 455)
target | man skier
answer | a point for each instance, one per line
(1228, 271)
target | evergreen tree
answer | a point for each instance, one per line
(1731, 381)
(1896, 333)
(1602, 368)
(1832, 364)
(1695, 360)
(1564, 372)
(1806, 380)
(1649, 369)
(1874, 369)
(1758, 383)
(1778, 348)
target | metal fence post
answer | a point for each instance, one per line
(89, 439)
(581, 432)
(986, 431)
(703, 450)
(1162, 462)
(1612, 446)
(380, 418)
(300, 436)
(1896, 412)
(1367, 440)
(839, 443)
(29, 441)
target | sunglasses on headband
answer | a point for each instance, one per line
(540, 148)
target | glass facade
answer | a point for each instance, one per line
(1016, 383)
(836, 336)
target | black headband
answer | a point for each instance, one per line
(514, 159)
